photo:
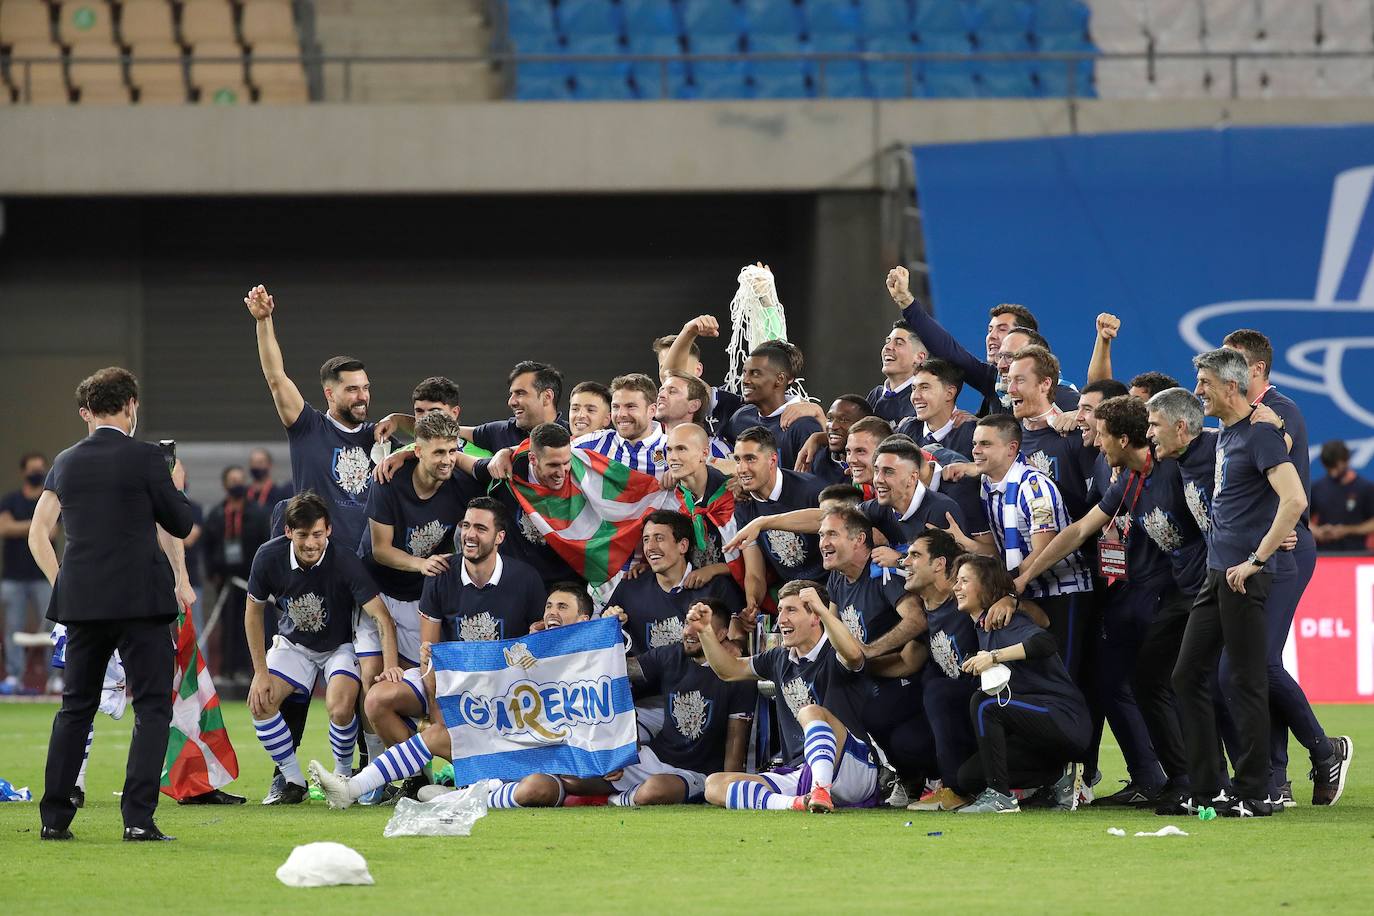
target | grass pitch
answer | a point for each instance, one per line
(683, 859)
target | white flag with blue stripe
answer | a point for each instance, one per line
(552, 702)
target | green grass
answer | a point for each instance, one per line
(686, 859)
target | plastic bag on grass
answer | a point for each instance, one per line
(323, 865)
(451, 814)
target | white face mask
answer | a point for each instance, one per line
(133, 422)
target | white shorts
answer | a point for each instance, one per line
(856, 777)
(649, 716)
(368, 641)
(415, 682)
(299, 666)
(649, 765)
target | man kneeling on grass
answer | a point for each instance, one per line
(821, 692)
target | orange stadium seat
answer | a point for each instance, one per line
(44, 83)
(267, 21)
(81, 22)
(145, 21)
(207, 21)
(218, 80)
(156, 78)
(24, 21)
(279, 81)
(95, 76)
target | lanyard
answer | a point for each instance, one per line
(1256, 402)
(1130, 511)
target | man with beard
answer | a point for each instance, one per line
(902, 350)
(635, 439)
(589, 408)
(683, 399)
(772, 367)
(935, 388)
(1064, 459)
(535, 390)
(705, 728)
(903, 506)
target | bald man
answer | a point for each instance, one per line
(687, 455)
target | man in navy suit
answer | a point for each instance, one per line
(113, 590)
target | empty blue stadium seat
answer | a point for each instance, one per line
(884, 16)
(838, 79)
(651, 17)
(1001, 17)
(540, 79)
(717, 79)
(941, 17)
(530, 17)
(892, 79)
(773, 17)
(1060, 17)
(826, 17)
(1006, 78)
(783, 78)
(648, 75)
(602, 88)
(1053, 76)
(711, 17)
(588, 17)
(947, 78)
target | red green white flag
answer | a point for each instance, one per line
(199, 755)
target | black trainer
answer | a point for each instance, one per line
(1243, 807)
(1328, 776)
(1130, 795)
(1176, 803)
(412, 786)
(1285, 797)
(291, 794)
(275, 790)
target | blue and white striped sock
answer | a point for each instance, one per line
(747, 795)
(820, 752)
(343, 738)
(624, 799)
(404, 760)
(85, 758)
(275, 738)
(503, 796)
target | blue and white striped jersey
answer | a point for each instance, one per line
(1028, 503)
(646, 455)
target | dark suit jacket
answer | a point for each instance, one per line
(113, 489)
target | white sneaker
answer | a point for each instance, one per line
(429, 793)
(899, 798)
(335, 787)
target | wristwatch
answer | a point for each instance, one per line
(993, 653)
(1256, 561)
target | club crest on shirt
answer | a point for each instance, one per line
(1219, 473)
(421, 541)
(945, 653)
(787, 546)
(710, 555)
(1044, 464)
(1162, 530)
(479, 628)
(797, 695)
(352, 469)
(854, 622)
(307, 612)
(665, 632)
(530, 530)
(1197, 505)
(691, 713)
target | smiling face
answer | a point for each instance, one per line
(894, 481)
(1087, 426)
(349, 396)
(839, 548)
(630, 413)
(1030, 394)
(898, 355)
(1113, 447)
(529, 407)
(685, 451)
(998, 326)
(562, 609)
(438, 457)
(587, 413)
(478, 535)
(1213, 392)
(551, 466)
(763, 383)
(858, 454)
(662, 551)
(968, 590)
(799, 628)
(1168, 438)
(841, 416)
(309, 543)
(920, 569)
(932, 398)
(755, 466)
(674, 405)
(1009, 345)
(992, 456)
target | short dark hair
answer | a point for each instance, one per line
(546, 377)
(494, 506)
(549, 435)
(873, 425)
(1007, 426)
(859, 401)
(761, 436)
(1333, 453)
(1107, 387)
(1033, 337)
(941, 545)
(436, 425)
(903, 446)
(337, 365)
(842, 492)
(578, 591)
(229, 469)
(949, 374)
(636, 381)
(697, 390)
(720, 611)
(596, 388)
(1254, 345)
(1153, 383)
(305, 509)
(106, 392)
(995, 583)
(438, 389)
(663, 343)
(795, 587)
(852, 520)
(1125, 416)
(29, 456)
(680, 524)
(783, 354)
(1025, 318)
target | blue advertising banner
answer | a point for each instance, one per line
(1185, 236)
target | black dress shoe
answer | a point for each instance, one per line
(56, 833)
(213, 797)
(79, 797)
(145, 834)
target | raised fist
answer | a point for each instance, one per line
(1107, 326)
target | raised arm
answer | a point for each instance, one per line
(285, 394)
(679, 355)
(909, 661)
(728, 667)
(847, 645)
(798, 521)
(41, 528)
(939, 342)
(1100, 366)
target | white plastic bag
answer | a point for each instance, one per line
(451, 814)
(323, 865)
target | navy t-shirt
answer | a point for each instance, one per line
(20, 565)
(656, 616)
(867, 606)
(420, 527)
(789, 555)
(931, 511)
(952, 638)
(1198, 466)
(502, 609)
(315, 605)
(1143, 512)
(337, 464)
(1243, 502)
(524, 541)
(959, 438)
(790, 440)
(499, 434)
(1039, 682)
(1067, 461)
(802, 681)
(697, 708)
(892, 406)
(1333, 503)
(1173, 527)
(724, 404)
(1296, 428)
(829, 468)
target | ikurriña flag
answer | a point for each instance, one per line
(199, 755)
(557, 701)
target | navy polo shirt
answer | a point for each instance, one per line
(656, 616)
(930, 509)
(790, 440)
(1066, 460)
(867, 606)
(697, 708)
(314, 605)
(337, 464)
(502, 609)
(819, 677)
(789, 555)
